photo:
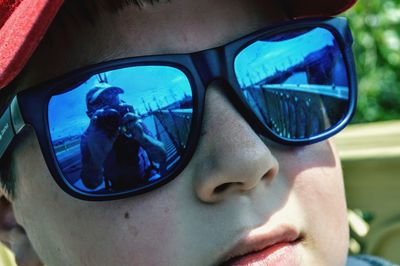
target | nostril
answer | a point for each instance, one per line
(223, 187)
(269, 176)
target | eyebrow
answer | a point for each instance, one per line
(89, 9)
(120, 4)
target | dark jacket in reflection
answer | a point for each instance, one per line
(125, 166)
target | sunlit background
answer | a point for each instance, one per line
(370, 148)
(376, 30)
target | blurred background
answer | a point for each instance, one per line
(376, 29)
(370, 147)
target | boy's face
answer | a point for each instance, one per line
(270, 191)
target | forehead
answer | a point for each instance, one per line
(176, 26)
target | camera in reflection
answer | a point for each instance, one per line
(110, 113)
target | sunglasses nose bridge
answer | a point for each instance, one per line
(209, 65)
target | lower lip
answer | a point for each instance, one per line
(280, 254)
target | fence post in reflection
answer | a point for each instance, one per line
(178, 136)
(177, 145)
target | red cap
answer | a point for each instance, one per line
(23, 24)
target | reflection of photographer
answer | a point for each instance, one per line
(116, 145)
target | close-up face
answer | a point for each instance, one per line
(239, 193)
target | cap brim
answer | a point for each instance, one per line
(111, 90)
(21, 33)
(28, 20)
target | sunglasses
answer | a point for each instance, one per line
(125, 127)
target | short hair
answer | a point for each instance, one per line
(71, 9)
(7, 177)
(7, 180)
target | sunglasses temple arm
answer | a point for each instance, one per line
(11, 123)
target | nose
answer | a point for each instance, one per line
(230, 158)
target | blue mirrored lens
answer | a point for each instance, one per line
(123, 129)
(296, 82)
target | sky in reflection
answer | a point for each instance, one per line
(146, 87)
(264, 58)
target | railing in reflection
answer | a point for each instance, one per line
(292, 110)
(172, 128)
(341, 92)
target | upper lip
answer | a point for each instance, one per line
(260, 240)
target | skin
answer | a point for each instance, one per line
(187, 221)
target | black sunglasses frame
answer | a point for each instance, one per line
(201, 69)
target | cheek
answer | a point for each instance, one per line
(315, 172)
(63, 229)
(145, 224)
(294, 161)
(318, 186)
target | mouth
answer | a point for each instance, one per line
(277, 247)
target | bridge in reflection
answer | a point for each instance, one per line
(341, 92)
(297, 110)
(172, 128)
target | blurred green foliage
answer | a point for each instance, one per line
(376, 30)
